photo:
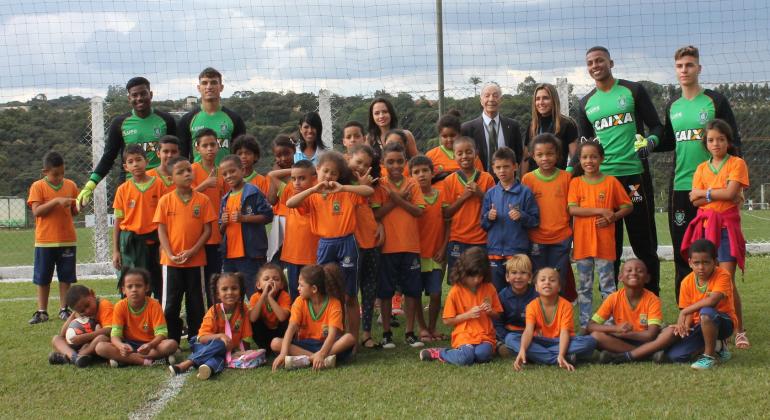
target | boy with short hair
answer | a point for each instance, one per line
(398, 203)
(168, 148)
(81, 348)
(244, 212)
(707, 317)
(300, 244)
(53, 203)
(635, 311)
(352, 135)
(135, 236)
(514, 299)
(184, 219)
(246, 147)
(434, 235)
(508, 210)
(207, 180)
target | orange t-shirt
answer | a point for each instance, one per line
(431, 224)
(142, 325)
(473, 331)
(561, 320)
(551, 196)
(617, 306)
(104, 311)
(214, 194)
(260, 181)
(168, 184)
(280, 209)
(590, 240)
(184, 225)
(719, 282)
(401, 228)
(316, 326)
(366, 226)
(233, 229)
(333, 215)
(707, 176)
(444, 160)
(214, 323)
(267, 316)
(55, 228)
(300, 244)
(136, 205)
(466, 222)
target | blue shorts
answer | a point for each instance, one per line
(683, 350)
(63, 258)
(314, 346)
(497, 266)
(400, 269)
(134, 344)
(344, 252)
(431, 282)
(723, 253)
(292, 276)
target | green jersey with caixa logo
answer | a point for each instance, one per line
(614, 118)
(130, 128)
(226, 123)
(685, 131)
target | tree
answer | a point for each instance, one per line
(527, 87)
(475, 81)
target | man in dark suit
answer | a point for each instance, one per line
(491, 130)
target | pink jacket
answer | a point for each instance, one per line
(730, 220)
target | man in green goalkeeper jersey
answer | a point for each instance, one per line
(143, 125)
(211, 114)
(616, 112)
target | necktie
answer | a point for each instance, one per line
(492, 141)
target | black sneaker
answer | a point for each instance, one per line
(38, 317)
(387, 340)
(64, 313)
(56, 358)
(571, 359)
(412, 340)
(394, 322)
(659, 357)
(83, 361)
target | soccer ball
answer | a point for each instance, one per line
(80, 325)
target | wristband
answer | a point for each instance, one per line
(708, 195)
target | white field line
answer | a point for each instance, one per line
(30, 298)
(152, 407)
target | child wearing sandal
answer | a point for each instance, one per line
(470, 308)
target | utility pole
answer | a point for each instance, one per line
(440, 55)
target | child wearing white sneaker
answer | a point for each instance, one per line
(314, 336)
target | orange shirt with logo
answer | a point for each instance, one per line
(168, 184)
(142, 325)
(589, 239)
(719, 282)
(431, 223)
(300, 244)
(707, 176)
(184, 225)
(476, 330)
(333, 215)
(562, 319)
(233, 232)
(214, 323)
(551, 196)
(401, 228)
(466, 222)
(214, 193)
(444, 160)
(316, 326)
(617, 306)
(56, 228)
(267, 316)
(135, 204)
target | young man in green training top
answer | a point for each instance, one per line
(615, 112)
(143, 125)
(687, 114)
(211, 114)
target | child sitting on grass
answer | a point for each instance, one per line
(81, 348)
(139, 333)
(635, 312)
(514, 299)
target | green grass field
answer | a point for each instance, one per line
(390, 383)
(17, 245)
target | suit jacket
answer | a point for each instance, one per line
(511, 133)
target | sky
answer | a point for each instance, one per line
(356, 47)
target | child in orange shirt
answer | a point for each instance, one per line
(300, 245)
(398, 205)
(169, 148)
(314, 336)
(365, 168)
(184, 220)
(138, 334)
(717, 188)
(352, 135)
(224, 330)
(135, 236)
(635, 313)
(244, 211)
(470, 308)
(247, 149)
(332, 208)
(207, 180)
(269, 306)
(596, 201)
(465, 189)
(706, 319)
(434, 235)
(52, 200)
(443, 156)
(80, 349)
(551, 240)
(549, 335)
